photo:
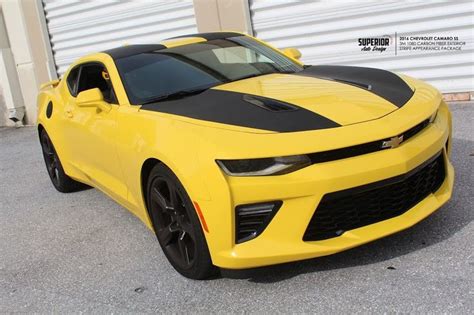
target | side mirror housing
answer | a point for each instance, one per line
(92, 98)
(292, 53)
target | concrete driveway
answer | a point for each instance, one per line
(82, 252)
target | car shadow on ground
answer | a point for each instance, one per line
(438, 227)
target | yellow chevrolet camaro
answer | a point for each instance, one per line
(237, 155)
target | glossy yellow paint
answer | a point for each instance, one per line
(292, 53)
(107, 149)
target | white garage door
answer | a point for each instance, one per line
(328, 32)
(79, 27)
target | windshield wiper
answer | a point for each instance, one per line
(174, 95)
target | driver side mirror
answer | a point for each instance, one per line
(292, 53)
(93, 98)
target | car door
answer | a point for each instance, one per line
(92, 132)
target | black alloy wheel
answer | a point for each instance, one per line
(50, 158)
(173, 225)
(176, 225)
(60, 180)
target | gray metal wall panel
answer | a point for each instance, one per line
(79, 27)
(326, 32)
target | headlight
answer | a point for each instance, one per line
(264, 166)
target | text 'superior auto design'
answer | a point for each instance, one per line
(237, 155)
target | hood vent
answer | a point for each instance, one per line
(368, 87)
(269, 104)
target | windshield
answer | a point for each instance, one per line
(158, 74)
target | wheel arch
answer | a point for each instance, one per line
(189, 183)
(145, 171)
(40, 129)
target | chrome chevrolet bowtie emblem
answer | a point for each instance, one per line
(393, 142)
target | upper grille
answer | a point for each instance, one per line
(364, 148)
(352, 208)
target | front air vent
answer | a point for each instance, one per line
(252, 219)
(268, 103)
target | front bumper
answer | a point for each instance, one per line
(301, 192)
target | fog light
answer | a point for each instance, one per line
(252, 219)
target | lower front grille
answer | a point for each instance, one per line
(352, 208)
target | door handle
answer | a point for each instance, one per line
(69, 113)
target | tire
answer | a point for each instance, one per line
(177, 226)
(60, 180)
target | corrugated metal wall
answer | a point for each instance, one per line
(327, 32)
(80, 27)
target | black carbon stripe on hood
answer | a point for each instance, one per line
(380, 82)
(234, 108)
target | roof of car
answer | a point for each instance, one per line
(130, 50)
(210, 36)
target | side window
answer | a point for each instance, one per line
(72, 80)
(96, 76)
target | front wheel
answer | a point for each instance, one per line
(177, 226)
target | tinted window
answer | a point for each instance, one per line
(72, 81)
(150, 75)
(96, 76)
(147, 76)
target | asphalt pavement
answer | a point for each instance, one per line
(82, 252)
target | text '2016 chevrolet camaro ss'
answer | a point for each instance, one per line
(238, 155)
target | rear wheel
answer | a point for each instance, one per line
(60, 180)
(177, 226)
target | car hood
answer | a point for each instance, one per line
(317, 98)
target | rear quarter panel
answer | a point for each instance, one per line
(52, 95)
